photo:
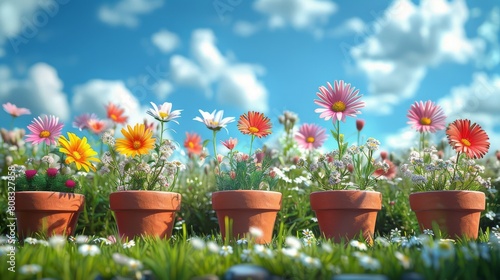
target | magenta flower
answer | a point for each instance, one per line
(30, 173)
(339, 102)
(45, 130)
(426, 117)
(70, 183)
(15, 111)
(52, 172)
(310, 136)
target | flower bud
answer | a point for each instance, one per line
(52, 172)
(360, 124)
(232, 174)
(383, 155)
(498, 155)
(350, 168)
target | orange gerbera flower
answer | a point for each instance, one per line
(193, 144)
(469, 139)
(77, 150)
(254, 123)
(138, 141)
(115, 113)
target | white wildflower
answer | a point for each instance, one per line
(29, 269)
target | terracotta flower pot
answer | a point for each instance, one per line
(344, 214)
(48, 213)
(148, 213)
(456, 213)
(247, 209)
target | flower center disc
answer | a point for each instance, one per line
(338, 106)
(77, 155)
(465, 142)
(425, 121)
(163, 115)
(253, 129)
(137, 144)
(310, 139)
(191, 145)
(214, 123)
(44, 134)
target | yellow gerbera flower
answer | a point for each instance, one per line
(137, 141)
(77, 150)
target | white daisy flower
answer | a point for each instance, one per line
(29, 269)
(164, 113)
(89, 250)
(214, 120)
(129, 244)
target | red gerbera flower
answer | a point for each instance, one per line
(115, 113)
(255, 124)
(193, 144)
(468, 138)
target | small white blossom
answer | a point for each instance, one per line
(358, 245)
(129, 244)
(89, 250)
(29, 269)
(226, 250)
(57, 241)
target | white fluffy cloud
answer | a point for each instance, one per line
(237, 83)
(165, 40)
(350, 26)
(489, 31)
(478, 101)
(41, 91)
(300, 14)
(16, 17)
(408, 40)
(245, 28)
(93, 96)
(127, 12)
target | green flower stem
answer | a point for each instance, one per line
(251, 143)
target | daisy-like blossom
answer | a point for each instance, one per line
(15, 111)
(230, 143)
(138, 141)
(215, 120)
(164, 113)
(255, 124)
(197, 243)
(81, 121)
(338, 102)
(468, 138)
(426, 117)
(89, 250)
(129, 244)
(226, 250)
(255, 232)
(193, 144)
(310, 136)
(29, 269)
(57, 241)
(403, 259)
(358, 245)
(115, 113)
(44, 130)
(97, 126)
(77, 150)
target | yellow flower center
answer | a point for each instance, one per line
(44, 134)
(163, 115)
(113, 117)
(425, 121)
(338, 106)
(253, 129)
(465, 142)
(137, 144)
(191, 145)
(76, 155)
(213, 123)
(310, 139)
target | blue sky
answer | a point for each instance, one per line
(66, 57)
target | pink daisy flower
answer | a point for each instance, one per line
(45, 130)
(338, 102)
(426, 117)
(15, 111)
(310, 136)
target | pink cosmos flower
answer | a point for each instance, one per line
(15, 111)
(310, 136)
(426, 117)
(45, 130)
(338, 102)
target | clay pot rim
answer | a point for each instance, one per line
(431, 202)
(27, 201)
(141, 199)
(271, 202)
(354, 199)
